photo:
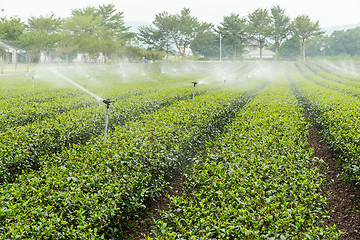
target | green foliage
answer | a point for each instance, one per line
(233, 29)
(344, 42)
(206, 44)
(336, 111)
(280, 26)
(243, 147)
(259, 27)
(303, 28)
(254, 182)
(11, 30)
(93, 191)
(290, 49)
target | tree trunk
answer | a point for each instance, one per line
(303, 49)
(276, 51)
(167, 50)
(234, 52)
(27, 62)
(16, 60)
(184, 53)
(261, 48)
(2, 63)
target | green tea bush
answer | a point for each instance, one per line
(255, 182)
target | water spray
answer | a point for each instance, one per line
(194, 90)
(107, 102)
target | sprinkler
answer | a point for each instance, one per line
(107, 102)
(194, 90)
(33, 81)
(224, 83)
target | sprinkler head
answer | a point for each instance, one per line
(107, 102)
(195, 83)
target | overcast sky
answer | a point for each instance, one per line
(328, 12)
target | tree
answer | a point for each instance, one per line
(280, 27)
(233, 29)
(290, 49)
(303, 28)
(84, 26)
(157, 36)
(182, 29)
(344, 42)
(317, 46)
(206, 44)
(11, 31)
(114, 32)
(259, 27)
(97, 31)
(42, 34)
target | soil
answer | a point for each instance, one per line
(343, 199)
(143, 227)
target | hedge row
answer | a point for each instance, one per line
(22, 147)
(92, 191)
(255, 182)
(339, 117)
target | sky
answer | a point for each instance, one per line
(329, 12)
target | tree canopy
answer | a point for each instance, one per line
(304, 28)
(101, 33)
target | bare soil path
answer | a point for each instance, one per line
(343, 199)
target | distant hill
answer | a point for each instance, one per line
(330, 30)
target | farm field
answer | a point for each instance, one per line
(197, 150)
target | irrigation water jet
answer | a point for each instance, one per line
(194, 90)
(107, 102)
(77, 85)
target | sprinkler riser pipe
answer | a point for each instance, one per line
(194, 90)
(106, 122)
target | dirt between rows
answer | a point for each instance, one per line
(343, 199)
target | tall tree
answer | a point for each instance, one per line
(303, 28)
(185, 29)
(345, 42)
(290, 49)
(11, 31)
(114, 33)
(233, 29)
(157, 35)
(84, 26)
(259, 27)
(181, 29)
(280, 27)
(42, 33)
(207, 45)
